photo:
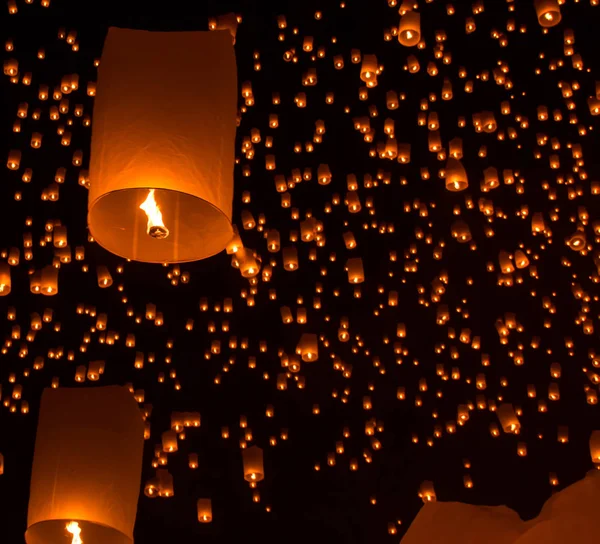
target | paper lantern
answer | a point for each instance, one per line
(204, 510)
(595, 447)
(409, 31)
(5, 283)
(354, 267)
(508, 419)
(308, 347)
(86, 467)
(456, 175)
(163, 136)
(548, 12)
(49, 280)
(253, 464)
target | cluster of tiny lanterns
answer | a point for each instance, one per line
(411, 293)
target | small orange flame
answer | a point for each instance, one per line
(75, 530)
(156, 228)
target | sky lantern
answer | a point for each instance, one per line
(456, 175)
(86, 471)
(409, 31)
(161, 189)
(204, 508)
(548, 12)
(595, 447)
(253, 464)
(5, 282)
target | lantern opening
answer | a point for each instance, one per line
(73, 528)
(156, 227)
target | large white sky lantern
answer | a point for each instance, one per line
(163, 138)
(86, 474)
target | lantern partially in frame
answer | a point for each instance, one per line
(161, 165)
(87, 463)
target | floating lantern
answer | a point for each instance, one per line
(87, 467)
(253, 464)
(308, 347)
(456, 175)
(204, 507)
(409, 31)
(508, 419)
(161, 191)
(5, 282)
(548, 12)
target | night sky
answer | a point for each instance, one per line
(510, 337)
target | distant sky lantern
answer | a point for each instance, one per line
(595, 447)
(409, 31)
(508, 419)
(5, 282)
(548, 12)
(253, 464)
(162, 190)
(86, 471)
(456, 175)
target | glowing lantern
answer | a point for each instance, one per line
(356, 273)
(253, 464)
(161, 190)
(169, 441)
(505, 261)
(308, 347)
(595, 446)
(456, 175)
(427, 492)
(508, 419)
(86, 468)
(290, 258)
(5, 283)
(409, 30)
(521, 260)
(368, 70)
(49, 280)
(249, 266)
(104, 277)
(548, 12)
(204, 507)
(14, 159)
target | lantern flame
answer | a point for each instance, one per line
(75, 530)
(156, 228)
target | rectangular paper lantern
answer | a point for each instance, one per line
(86, 466)
(163, 139)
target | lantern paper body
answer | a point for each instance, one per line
(86, 466)
(568, 516)
(164, 119)
(456, 523)
(253, 464)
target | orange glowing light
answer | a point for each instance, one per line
(75, 530)
(156, 227)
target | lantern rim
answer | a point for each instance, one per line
(224, 229)
(93, 532)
